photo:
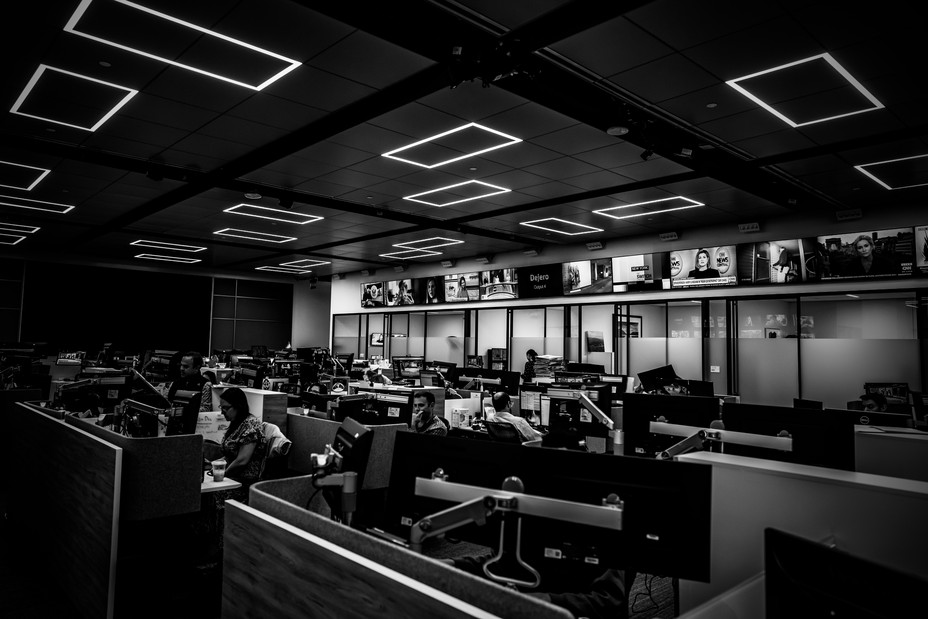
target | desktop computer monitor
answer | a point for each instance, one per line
(656, 379)
(430, 378)
(640, 409)
(407, 367)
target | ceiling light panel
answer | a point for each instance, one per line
(274, 214)
(168, 246)
(411, 253)
(160, 258)
(10, 239)
(36, 205)
(457, 193)
(901, 173)
(560, 226)
(283, 269)
(429, 243)
(115, 22)
(7, 227)
(306, 263)
(252, 235)
(456, 144)
(95, 96)
(664, 205)
(21, 176)
(819, 74)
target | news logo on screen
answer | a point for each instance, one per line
(703, 267)
(866, 255)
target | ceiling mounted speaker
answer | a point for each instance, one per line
(400, 268)
(482, 259)
(669, 236)
(594, 245)
(447, 263)
(367, 272)
(338, 276)
(848, 215)
(748, 228)
(531, 252)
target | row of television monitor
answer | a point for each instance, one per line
(888, 253)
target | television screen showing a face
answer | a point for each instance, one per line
(462, 287)
(859, 255)
(703, 267)
(431, 290)
(372, 294)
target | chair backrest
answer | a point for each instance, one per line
(277, 443)
(503, 431)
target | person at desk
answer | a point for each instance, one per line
(243, 445)
(502, 404)
(376, 376)
(193, 390)
(424, 420)
(702, 270)
(528, 372)
(873, 402)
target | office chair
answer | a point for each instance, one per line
(503, 432)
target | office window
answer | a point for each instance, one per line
(767, 350)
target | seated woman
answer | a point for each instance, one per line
(243, 445)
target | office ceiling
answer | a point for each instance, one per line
(153, 121)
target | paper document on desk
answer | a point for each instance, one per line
(212, 425)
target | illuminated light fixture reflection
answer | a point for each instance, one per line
(495, 191)
(585, 229)
(409, 254)
(41, 71)
(510, 140)
(7, 239)
(441, 242)
(251, 235)
(7, 227)
(71, 27)
(45, 172)
(274, 214)
(833, 64)
(168, 246)
(606, 211)
(305, 263)
(36, 205)
(882, 183)
(282, 269)
(168, 258)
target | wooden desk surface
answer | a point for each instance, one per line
(209, 485)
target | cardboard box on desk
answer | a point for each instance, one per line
(212, 426)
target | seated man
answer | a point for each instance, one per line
(193, 391)
(424, 420)
(502, 404)
(873, 402)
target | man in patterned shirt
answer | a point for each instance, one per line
(424, 420)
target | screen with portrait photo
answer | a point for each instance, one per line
(431, 290)
(703, 267)
(641, 273)
(867, 254)
(778, 262)
(499, 284)
(462, 287)
(400, 292)
(372, 294)
(921, 249)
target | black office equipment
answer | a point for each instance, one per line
(879, 418)
(503, 432)
(490, 380)
(656, 379)
(802, 403)
(591, 368)
(640, 409)
(809, 579)
(408, 366)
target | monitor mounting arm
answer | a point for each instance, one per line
(325, 475)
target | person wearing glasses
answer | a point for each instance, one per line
(244, 445)
(192, 391)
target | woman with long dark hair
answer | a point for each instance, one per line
(243, 445)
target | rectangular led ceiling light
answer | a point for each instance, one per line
(438, 150)
(10, 239)
(560, 226)
(281, 269)
(902, 170)
(168, 246)
(831, 63)
(168, 258)
(36, 205)
(254, 236)
(429, 243)
(688, 203)
(27, 175)
(454, 197)
(305, 263)
(18, 228)
(411, 253)
(274, 214)
(164, 27)
(43, 70)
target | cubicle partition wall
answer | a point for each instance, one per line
(65, 501)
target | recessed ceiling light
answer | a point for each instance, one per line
(430, 243)
(820, 57)
(305, 263)
(160, 258)
(288, 270)
(18, 228)
(509, 141)
(862, 169)
(562, 223)
(43, 68)
(494, 190)
(30, 186)
(274, 214)
(411, 253)
(252, 235)
(169, 246)
(10, 239)
(158, 22)
(688, 204)
(36, 205)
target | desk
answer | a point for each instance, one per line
(209, 485)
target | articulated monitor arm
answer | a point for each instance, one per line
(696, 442)
(474, 511)
(325, 466)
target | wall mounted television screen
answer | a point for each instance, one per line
(883, 253)
(400, 292)
(587, 276)
(499, 284)
(778, 262)
(703, 267)
(921, 249)
(376, 339)
(641, 273)
(462, 287)
(372, 294)
(431, 290)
